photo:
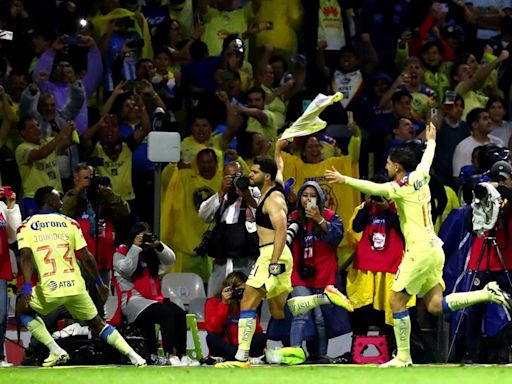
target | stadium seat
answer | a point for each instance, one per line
(196, 307)
(184, 286)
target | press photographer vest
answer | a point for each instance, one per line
(233, 241)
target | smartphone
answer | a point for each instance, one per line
(134, 85)
(7, 191)
(433, 113)
(71, 40)
(449, 97)
(311, 203)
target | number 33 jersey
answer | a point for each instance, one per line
(53, 239)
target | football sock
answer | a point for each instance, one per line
(302, 304)
(37, 328)
(114, 338)
(459, 300)
(402, 330)
(246, 328)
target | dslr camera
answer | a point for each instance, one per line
(240, 181)
(237, 292)
(149, 238)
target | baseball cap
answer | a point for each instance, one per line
(501, 169)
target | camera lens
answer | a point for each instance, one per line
(241, 182)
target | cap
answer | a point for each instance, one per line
(381, 76)
(501, 169)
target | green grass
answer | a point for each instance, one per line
(268, 375)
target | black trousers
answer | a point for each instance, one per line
(173, 326)
(219, 347)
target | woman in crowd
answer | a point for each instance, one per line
(10, 220)
(319, 230)
(221, 314)
(138, 266)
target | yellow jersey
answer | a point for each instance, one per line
(53, 239)
(411, 195)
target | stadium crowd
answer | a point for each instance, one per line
(83, 84)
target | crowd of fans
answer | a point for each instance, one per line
(82, 84)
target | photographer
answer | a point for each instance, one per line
(138, 266)
(98, 210)
(221, 314)
(484, 260)
(316, 231)
(235, 246)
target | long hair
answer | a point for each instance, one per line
(234, 279)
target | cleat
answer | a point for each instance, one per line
(175, 361)
(188, 362)
(498, 296)
(139, 363)
(5, 364)
(338, 298)
(52, 360)
(396, 363)
(257, 360)
(233, 364)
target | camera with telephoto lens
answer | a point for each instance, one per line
(240, 181)
(292, 230)
(149, 238)
(237, 292)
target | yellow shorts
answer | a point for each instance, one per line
(420, 271)
(260, 278)
(80, 306)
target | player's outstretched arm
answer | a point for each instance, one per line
(368, 187)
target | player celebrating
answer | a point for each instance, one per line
(421, 268)
(49, 241)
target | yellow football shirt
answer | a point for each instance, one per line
(53, 239)
(37, 173)
(412, 198)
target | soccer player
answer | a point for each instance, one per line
(270, 276)
(49, 241)
(421, 268)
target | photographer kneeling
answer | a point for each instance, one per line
(138, 265)
(221, 314)
(233, 243)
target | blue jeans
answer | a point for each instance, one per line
(299, 324)
(3, 316)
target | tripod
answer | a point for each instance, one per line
(489, 244)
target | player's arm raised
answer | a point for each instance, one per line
(428, 155)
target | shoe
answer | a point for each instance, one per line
(257, 360)
(175, 361)
(5, 364)
(52, 360)
(233, 364)
(338, 298)
(273, 356)
(396, 363)
(140, 362)
(186, 361)
(498, 296)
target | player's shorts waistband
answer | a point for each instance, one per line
(266, 245)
